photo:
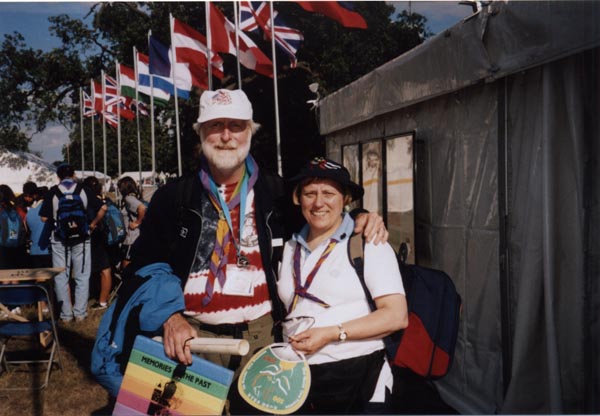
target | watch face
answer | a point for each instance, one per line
(343, 336)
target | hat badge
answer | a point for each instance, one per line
(222, 98)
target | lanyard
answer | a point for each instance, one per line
(301, 291)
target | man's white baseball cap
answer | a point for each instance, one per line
(224, 104)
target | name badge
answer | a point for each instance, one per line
(238, 282)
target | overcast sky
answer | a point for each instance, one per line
(31, 20)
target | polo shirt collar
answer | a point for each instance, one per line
(343, 231)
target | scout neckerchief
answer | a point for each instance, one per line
(302, 291)
(224, 235)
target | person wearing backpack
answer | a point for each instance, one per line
(329, 319)
(74, 212)
(13, 232)
(134, 210)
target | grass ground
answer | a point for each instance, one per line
(72, 390)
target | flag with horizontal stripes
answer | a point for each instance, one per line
(161, 96)
(127, 81)
(160, 64)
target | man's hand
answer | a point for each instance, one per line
(177, 331)
(372, 228)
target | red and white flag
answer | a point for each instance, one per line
(223, 40)
(189, 47)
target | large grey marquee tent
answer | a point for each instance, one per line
(504, 110)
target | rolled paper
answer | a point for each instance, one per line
(217, 345)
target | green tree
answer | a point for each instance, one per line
(44, 87)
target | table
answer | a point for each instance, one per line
(24, 275)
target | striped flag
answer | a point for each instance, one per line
(127, 81)
(161, 96)
(160, 64)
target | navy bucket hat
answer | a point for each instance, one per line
(320, 167)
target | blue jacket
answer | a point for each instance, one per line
(158, 296)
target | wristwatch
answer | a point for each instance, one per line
(342, 335)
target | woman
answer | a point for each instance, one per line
(102, 258)
(319, 286)
(134, 210)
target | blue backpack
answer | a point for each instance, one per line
(71, 218)
(115, 224)
(426, 346)
(12, 229)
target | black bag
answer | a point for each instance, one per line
(426, 346)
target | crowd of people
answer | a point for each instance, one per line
(65, 227)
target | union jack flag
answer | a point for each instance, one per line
(111, 94)
(133, 103)
(257, 14)
(88, 105)
(110, 116)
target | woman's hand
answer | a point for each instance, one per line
(313, 339)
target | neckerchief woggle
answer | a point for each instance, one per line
(301, 291)
(239, 196)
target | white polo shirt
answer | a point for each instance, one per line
(337, 284)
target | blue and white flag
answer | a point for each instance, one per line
(160, 64)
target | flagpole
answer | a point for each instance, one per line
(104, 122)
(173, 58)
(237, 42)
(137, 116)
(151, 113)
(118, 116)
(81, 126)
(93, 120)
(208, 45)
(277, 135)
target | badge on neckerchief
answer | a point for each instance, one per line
(276, 380)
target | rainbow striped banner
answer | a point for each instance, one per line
(155, 384)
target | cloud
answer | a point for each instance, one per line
(50, 142)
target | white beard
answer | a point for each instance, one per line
(226, 160)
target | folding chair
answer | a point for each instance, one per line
(12, 295)
(117, 282)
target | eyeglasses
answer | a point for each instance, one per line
(295, 325)
(234, 126)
